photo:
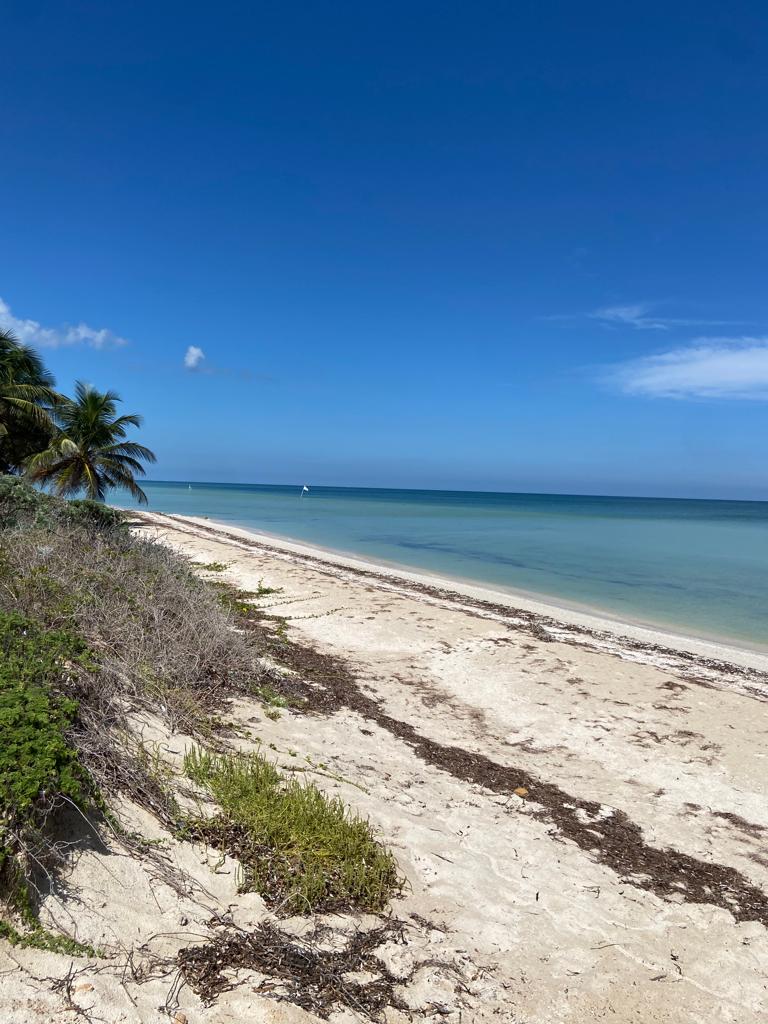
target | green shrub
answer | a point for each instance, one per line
(36, 760)
(301, 850)
(21, 504)
(39, 766)
(93, 514)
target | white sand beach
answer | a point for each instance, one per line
(580, 809)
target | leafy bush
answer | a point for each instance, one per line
(36, 760)
(299, 849)
(23, 505)
(20, 502)
(93, 514)
(39, 765)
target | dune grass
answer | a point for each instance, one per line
(301, 850)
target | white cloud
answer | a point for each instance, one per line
(30, 332)
(193, 357)
(735, 368)
(638, 315)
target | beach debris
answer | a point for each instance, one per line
(520, 791)
(301, 971)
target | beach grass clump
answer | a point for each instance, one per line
(300, 849)
(240, 602)
(271, 697)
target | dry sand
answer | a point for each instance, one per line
(627, 880)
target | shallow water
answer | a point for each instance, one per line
(694, 566)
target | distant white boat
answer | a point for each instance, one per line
(304, 490)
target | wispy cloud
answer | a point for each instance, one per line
(735, 368)
(193, 357)
(640, 316)
(30, 332)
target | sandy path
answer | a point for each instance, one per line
(680, 750)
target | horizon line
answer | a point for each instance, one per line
(455, 490)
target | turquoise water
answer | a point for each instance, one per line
(696, 566)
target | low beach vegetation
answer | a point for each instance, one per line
(40, 768)
(102, 630)
(301, 850)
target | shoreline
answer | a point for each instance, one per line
(593, 621)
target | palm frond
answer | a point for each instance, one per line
(127, 482)
(132, 450)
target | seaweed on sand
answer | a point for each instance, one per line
(297, 970)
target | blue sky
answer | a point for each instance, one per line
(504, 246)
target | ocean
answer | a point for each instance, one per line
(691, 566)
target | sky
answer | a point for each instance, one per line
(498, 246)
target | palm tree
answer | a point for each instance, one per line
(89, 453)
(26, 400)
